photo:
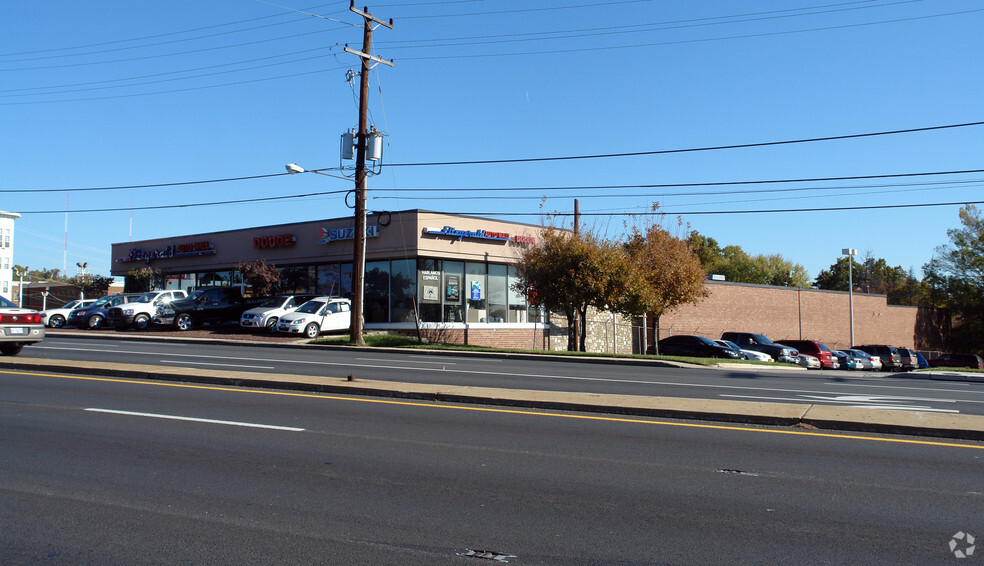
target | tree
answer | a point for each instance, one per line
(91, 284)
(259, 275)
(568, 272)
(671, 274)
(872, 275)
(955, 277)
(143, 279)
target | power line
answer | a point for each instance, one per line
(709, 212)
(692, 149)
(186, 205)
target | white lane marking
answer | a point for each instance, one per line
(491, 373)
(854, 404)
(193, 419)
(414, 361)
(163, 361)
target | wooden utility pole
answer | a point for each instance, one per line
(577, 315)
(359, 259)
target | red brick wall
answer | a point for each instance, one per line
(807, 314)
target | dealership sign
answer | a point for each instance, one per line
(454, 233)
(277, 241)
(178, 250)
(329, 235)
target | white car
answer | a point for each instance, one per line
(749, 354)
(808, 361)
(269, 312)
(322, 314)
(55, 318)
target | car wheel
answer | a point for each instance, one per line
(183, 322)
(96, 322)
(312, 330)
(56, 321)
(141, 322)
(11, 349)
(271, 324)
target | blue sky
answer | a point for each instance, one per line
(120, 94)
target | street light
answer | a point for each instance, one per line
(20, 289)
(850, 253)
(82, 266)
(359, 255)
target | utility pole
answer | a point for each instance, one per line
(577, 315)
(359, 260)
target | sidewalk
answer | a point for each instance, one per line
(957, 426)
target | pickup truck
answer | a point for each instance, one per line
(208, 304)
(139, 313)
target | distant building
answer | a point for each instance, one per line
(7, 254)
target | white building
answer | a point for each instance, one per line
(7, 253)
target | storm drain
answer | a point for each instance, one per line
(486, 554)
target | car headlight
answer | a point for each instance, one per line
(128, 312)
(297, 321)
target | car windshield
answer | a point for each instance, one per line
(761, 339)
(102, 301)
(706, 340)
(728, 343)
(7, 304)
(146, 298)
(274, 301)
(859, 353)
(310, 307)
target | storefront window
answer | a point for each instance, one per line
(403, 282)
(376, 307)
(346, 280)
(329, 280)
(429, 289)
(518, 310)
(296, 279)
(476, 292)
(452, 293)
(497, 293)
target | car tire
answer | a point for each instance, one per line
(56, 321)
(96, 322)
(183, 322)
(11, 349)
(271, 324)
(141, 322)
(312, 330)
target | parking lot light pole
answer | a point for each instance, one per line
(20, 288)
(850, 253)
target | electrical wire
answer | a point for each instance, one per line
(186, 205)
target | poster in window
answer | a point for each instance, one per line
(476, 290)
(453, 289)
(430, 287)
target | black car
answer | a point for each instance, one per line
(890, 358)
(206, 305)
(696, 346)
(957, 361)
(761, 343)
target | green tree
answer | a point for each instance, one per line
(955, 277)
(143, 279)
(873, 275)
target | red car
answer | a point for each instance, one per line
(818, 350)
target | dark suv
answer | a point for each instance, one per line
(759, 343)
(908, 359)
(890, 358)
(957, 361)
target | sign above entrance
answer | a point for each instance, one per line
(329, 235)
(454, 233)
(177, 250)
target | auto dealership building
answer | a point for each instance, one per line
(459, 272)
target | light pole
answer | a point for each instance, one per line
(850, 253)
(358, 261)
(20, 288)
(82, 266)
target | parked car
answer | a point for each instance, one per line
(818, 350)
(760, 343)
(269, 312)
(208, 304)
(18, 327)
(696, 346)
(808, 361)
(923, 363)
(55, 318)
(321, 314)
(871, 362)
(907, 357)
(957, 361)
(94, 316)
(140, 312)
(749, 354)
(846, 361)
(889, 355)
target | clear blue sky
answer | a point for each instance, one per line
(110, 93)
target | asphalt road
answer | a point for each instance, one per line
(113, 471)
(876, 390)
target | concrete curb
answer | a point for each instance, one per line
(965, 427)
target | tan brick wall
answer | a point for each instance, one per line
(806, 314)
